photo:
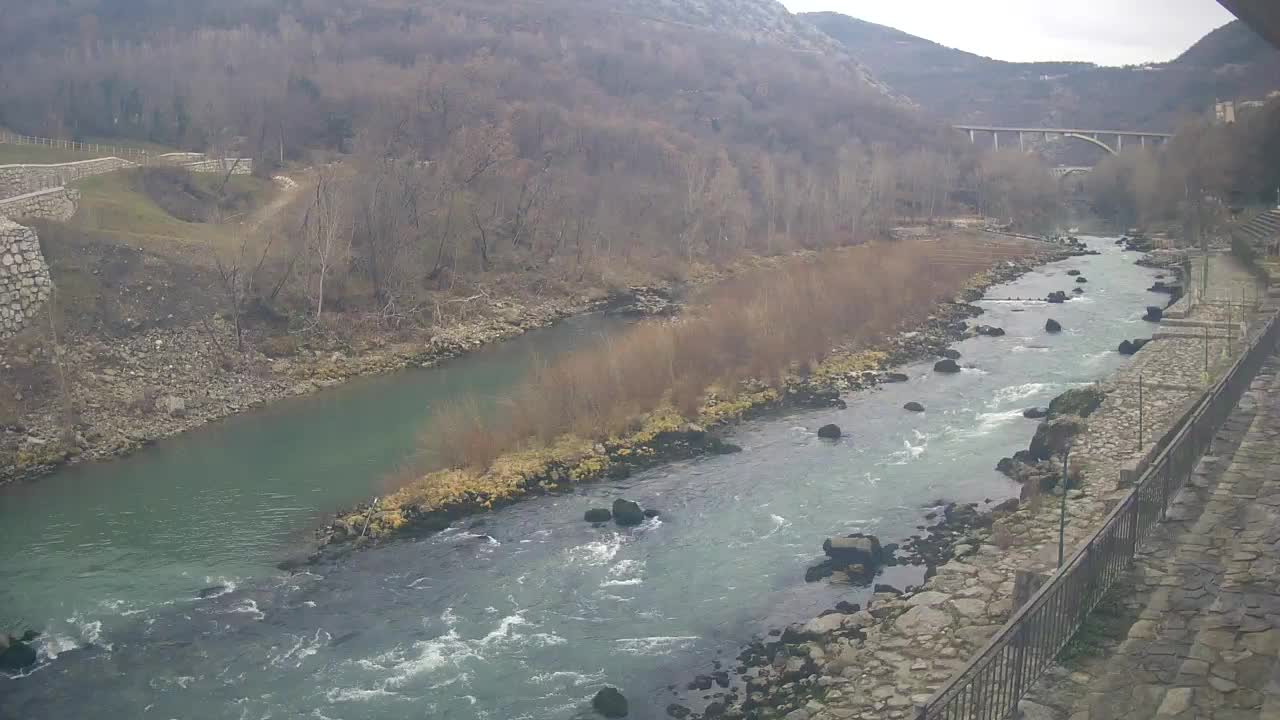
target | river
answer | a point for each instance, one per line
(526, 612)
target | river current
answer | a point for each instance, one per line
(524, 612)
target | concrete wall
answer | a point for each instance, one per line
(57, 203)
(24, 277)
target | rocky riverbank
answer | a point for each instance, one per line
(664, 435)
(886, 659)
(128, 392)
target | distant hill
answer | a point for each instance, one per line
(1230, 63)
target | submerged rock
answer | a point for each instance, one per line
(913, 407)
(610, 702)
(829, 432)
(597, 515)
(213, 591)
(17, 656)
(1035, 413)
(1154, 314)
(989, 331)
(946, 366)
(1073, 272)
(1082, 279)
(895, 377)
(1078, 291)
(1052, 326)
(627, 513)
(950, 354)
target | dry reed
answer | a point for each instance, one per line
(760, 326)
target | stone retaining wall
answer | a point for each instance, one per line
(237, 166)
(24, 277)
(57, 203)
(23, 179)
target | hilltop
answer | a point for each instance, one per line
(1230, 63)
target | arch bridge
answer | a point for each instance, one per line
(1095, 137)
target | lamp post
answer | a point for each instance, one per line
(1062, 515)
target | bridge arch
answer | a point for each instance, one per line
(1110, 150)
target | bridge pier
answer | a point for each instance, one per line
(1022, 145)
(995, 139)
(1119, 142)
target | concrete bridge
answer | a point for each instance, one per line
(1094, 137)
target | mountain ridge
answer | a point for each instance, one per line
(1230, 62)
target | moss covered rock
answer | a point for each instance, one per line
(1077, 401)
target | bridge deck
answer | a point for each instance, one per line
(1062, 131)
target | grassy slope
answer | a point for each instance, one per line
(113, 206)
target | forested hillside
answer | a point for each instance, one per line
(577, 139)
(1230, 63)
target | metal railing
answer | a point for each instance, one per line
(991, 684)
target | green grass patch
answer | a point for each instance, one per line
(41, 155)
(115, 204)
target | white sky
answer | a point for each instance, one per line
(1107, 32)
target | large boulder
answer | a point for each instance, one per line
(1154, 314)
(597, 515)
(950, 354)
(946, 366)
(1077, 401)
(627, 513)
(1057, 296)
(856, 549)
(18, 656)
(1082, 279)
(1054, 436)
(610, 702)
(913, 407)
(989, 331)
(1052, 326)
(829, 432)
(1035, 413)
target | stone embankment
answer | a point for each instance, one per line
(1193, 623)
(23, 179)
(56, 203)
(24, 277)
(884, 660)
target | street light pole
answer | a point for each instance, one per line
(1062, 515)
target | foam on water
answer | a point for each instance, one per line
(1014, 393)
(654, 645)
(565, 678)
(596, 552)
(248, 607)
(303, 648)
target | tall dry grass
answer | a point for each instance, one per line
(760, 326)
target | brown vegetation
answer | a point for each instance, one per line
(758, 327)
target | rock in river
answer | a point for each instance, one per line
(829, 432)
(950, 354)
(1052, 326)
(856, 549)
(610, 703)
(1073, 272)
(913, 407)
(946, 366)
(1077, 401)
(596, 515)
(989, 330)
(1154, 314)
(17, 656)
(1082, 279)
(627, 513)
(1057, 296)
(1035, 413)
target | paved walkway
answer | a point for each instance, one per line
(1206, 594)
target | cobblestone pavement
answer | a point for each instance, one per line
(1206, 594)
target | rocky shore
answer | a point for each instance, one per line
(129, 392)
(886, 659)
(664, 436)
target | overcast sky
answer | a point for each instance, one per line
(1107, 32)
